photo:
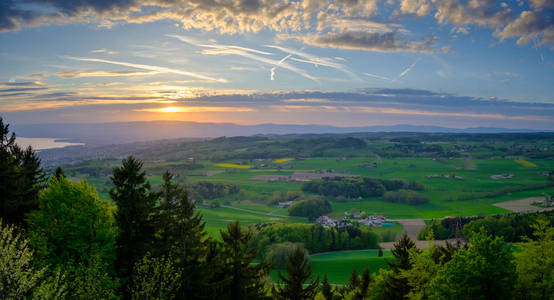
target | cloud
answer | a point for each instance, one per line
(367, 41)
(188, 109)
(103, 50)
(530, 25)
(377, 76)
(81, 74)
(150, 68)
(248, 53)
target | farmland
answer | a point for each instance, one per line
(460, 175)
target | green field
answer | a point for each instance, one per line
(442, 192)
(424, 158)
(338, 265)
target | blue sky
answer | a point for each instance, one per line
(452, 63)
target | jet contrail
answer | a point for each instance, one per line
(377, 76)
(272, 71)
(148, 67)
(407, 70)
(247, 53)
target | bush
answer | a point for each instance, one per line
(277, 254)
(406, 197)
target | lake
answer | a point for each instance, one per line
(44, 143)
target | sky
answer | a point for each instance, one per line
(451, 63)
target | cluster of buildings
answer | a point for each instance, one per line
(503, 176)
(448, 176)
(374, 220)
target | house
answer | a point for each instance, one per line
(284, 204)
(326, 221)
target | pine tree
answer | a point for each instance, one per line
(59, 173)
(353, 281)
(396, 286)
(182, 235)
(299, 272)
(244, 279)
(135, 206)
(21, 178)
(326, 288)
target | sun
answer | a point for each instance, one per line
(171, 109)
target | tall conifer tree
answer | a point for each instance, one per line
(299, 272)
(135, 207)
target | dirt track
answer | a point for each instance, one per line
(523, 205)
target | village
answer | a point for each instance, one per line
(352, 218)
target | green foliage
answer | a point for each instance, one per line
(315, 238)
(21, 178)
(155, 278)
(511, 227)
(311, 208)
(396, 286)
(243, 279)
(406, 197)
(535, 263)
(135, 204)
(326, 289)
(277, 254)
(209, 190)
(485, 270)
(71, 225)
(74, 231)
(354, 187)
(18, 278)
(296, 286)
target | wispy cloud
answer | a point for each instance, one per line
(81, 74)
(188, 109)
(103, 50)
(149, 68)
(246, 53)
(377, 76)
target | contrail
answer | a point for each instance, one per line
(407, 70)
(272, 71)
(148, 67)
(377, 76)
(247, 53)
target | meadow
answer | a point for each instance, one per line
(338, 265)
(456, 176)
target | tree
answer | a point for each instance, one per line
(397, 286)
(73, 230)
(299, 272)
(18, 279)
(182, 236)
(326, 289)
(135, 206)
(535, 263)
(485, 270)
(155, 278)
(245, 280)
(21, 178)
(59, 173)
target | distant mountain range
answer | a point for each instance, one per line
(128, 132)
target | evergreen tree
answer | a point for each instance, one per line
(396, 286)
(21, 178)
(244, 279)
(182, 236)
(59, 173)
(326, 289)
(353, 281)
(135, 206)
(299, 272)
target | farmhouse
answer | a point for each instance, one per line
(285, 204)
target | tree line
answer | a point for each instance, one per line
(354, 187)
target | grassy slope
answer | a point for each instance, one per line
(338, 265)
